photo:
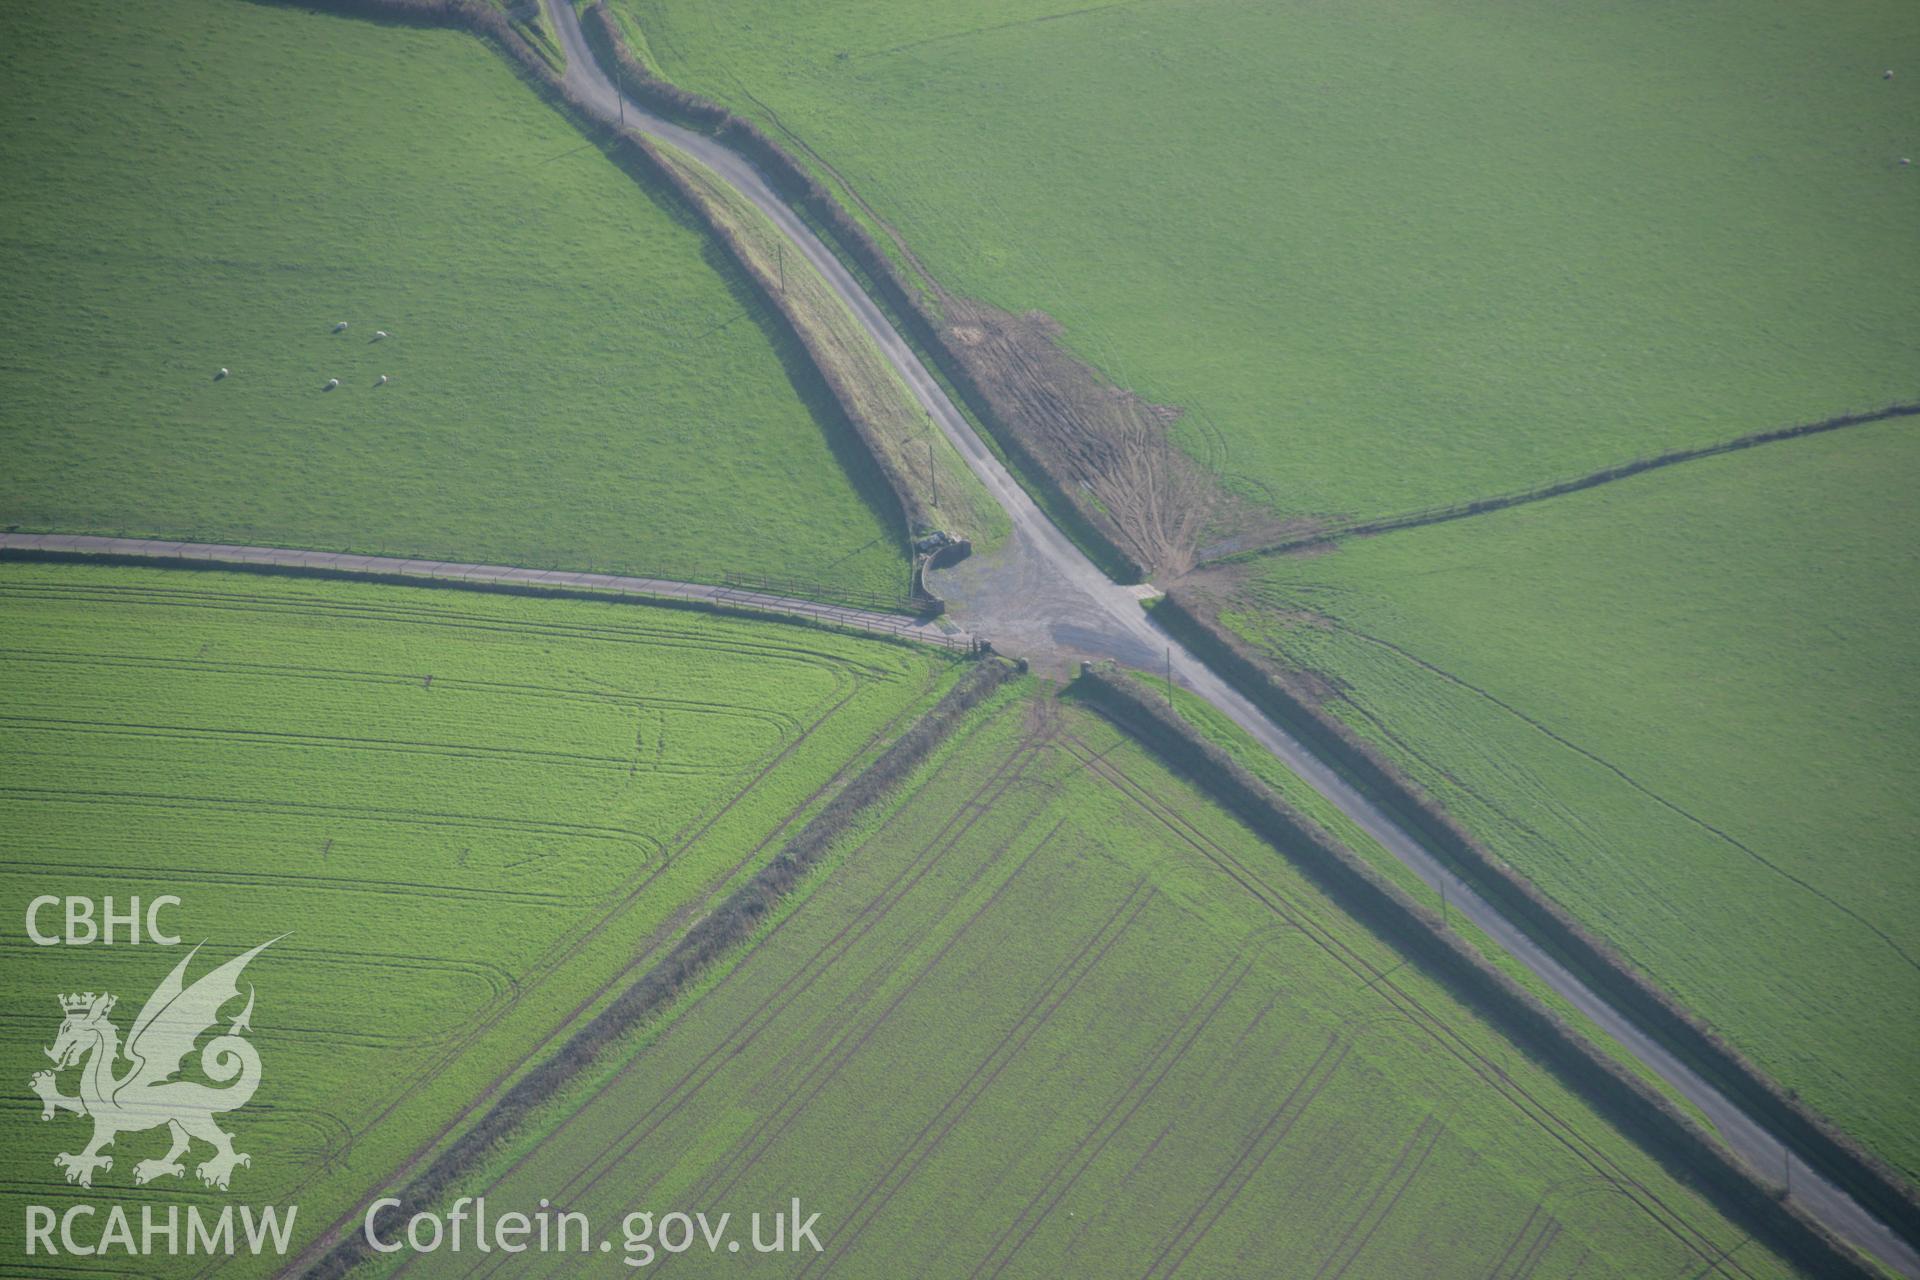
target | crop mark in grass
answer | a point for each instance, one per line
(649, 846)
(779, 721)
(572, 948)
(576, 944)
(1642, 788)
(1253, 1153)
(1054, 993)
(269, 737)
(1438, 1029)
(998, 26)
(1401, 1176)
(1525, 1232)
(1404, 1005)
(1537, 1254)
(1059, 1181)
(733, 1043)
(724, 1175)
(279, 880)
(644, 955)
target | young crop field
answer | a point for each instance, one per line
(1057, 1014)
(577, 375)
(1682, 706)
(1392, 255)
(467, 820)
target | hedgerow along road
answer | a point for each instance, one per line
(1047, 600)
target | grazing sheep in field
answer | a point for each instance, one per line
(381, 381)
(340, 327)
(1887, 74)
(331, 384)
(219, 375)
(379, 334)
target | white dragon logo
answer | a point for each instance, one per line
(147, 1096)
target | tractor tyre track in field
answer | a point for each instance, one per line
(1033, 1213)
(847, 1038)
(1074, 971)
(890, 894)
(1263, 1142)
(1433, 1130)
(1601, 761)
(546, 968)
(1438, 1029)
(1526, 1230)
(843, 942)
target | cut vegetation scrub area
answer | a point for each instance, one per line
(1058, 1014)
(1383, 256)
(937, 488)
(475, 819)
(578, 377)
(1682, 705)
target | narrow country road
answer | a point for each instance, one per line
(924, 630)
(1046, 601)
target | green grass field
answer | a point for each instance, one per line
(1400, 255)
(1681, 705)
(1385, 255)
(475, 817)
(578, 378)
(1057, 1014)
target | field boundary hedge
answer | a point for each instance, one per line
(902, 633)
(901, 296)
(1878, 1188)
(724, 928)
(1334, 531)
(1670, 1136)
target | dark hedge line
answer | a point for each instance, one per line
(1864, 1176)
(729, 925)
(1606, 475)
(902, 296)
(1675, 1140)
(723, 608)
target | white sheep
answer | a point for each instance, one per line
(341, 327)
(331, 384)
(219, 375)
(381, 381)
(379, 334)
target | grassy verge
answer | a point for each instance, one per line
(936, 486)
